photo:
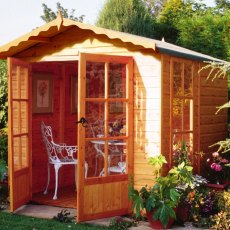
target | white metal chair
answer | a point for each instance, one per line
(97, 130)
(58, 155)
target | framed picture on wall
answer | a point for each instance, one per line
(42, 84)
(74, 96)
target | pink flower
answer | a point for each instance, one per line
(224, 161)
(215, 154)
(208, 159)
(218, 168)
(213, 165)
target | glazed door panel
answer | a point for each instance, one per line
(105, 139)
(19, 136)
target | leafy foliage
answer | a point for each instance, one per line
(120, 223)
(3, 94)
(163, 197)
(206, 32)
(63, 216)
(49, 14)
(131, 16)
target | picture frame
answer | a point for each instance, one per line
(116, 107)
(42, 96)
(74, 94)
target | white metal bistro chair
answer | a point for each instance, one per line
(97, 130)
(58, 155)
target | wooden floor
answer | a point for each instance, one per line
(67, 198)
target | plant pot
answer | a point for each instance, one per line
(183, 212)
(156, 224)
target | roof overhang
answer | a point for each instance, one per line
(47, 32)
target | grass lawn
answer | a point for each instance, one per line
(17, 222)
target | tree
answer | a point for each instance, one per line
(131, 16)
(223, 4)
(50, 15)
(206, 32)
(173, 11)
(155, 6)
(3, 94)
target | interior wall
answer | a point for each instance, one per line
(61, 119)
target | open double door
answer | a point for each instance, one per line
(105, 91)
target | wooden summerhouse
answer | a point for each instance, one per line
(148, 95)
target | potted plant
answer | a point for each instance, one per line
(160, 200)
(218, 171)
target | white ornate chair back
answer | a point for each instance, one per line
(47, 137)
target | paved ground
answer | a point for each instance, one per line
(48, 212)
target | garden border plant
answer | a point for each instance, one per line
(163, 197)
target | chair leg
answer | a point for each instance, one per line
(48, 179)
(56, 167)
(102, 173)
(86, 169)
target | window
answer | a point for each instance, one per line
(182, 104)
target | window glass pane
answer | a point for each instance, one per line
(177, 79)
(117, 80)
(177, 114)
(177, 138)
(188, 139)
(188, 115)
(95, 80)
(187, 80)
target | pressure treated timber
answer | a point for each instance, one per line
(149, 102)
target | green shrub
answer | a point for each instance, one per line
(4, 145)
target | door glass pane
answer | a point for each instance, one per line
(117, 157)
(95, 149)
(24, 117)
(188, 114)
(24, 82)
(117, 119)
(16, 117)
(95, 79)
(24, 151)
(94, 114)
(15, 82)
(117, 80)
(187, 80)
(177, 79)
(94, 156)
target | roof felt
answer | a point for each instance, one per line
(59, 25)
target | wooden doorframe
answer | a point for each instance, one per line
(24, 173)
(82, 182)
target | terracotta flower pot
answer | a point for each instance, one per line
(156, 224)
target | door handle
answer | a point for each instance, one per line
(82, 121)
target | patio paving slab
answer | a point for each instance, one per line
(48, 212)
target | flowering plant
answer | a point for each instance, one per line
(181, 153)
(218, 167)
(116, 128)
